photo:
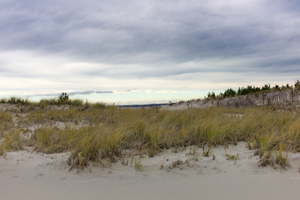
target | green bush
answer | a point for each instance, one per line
(63, 98)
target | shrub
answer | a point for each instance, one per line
(297, 84)
(63, 97)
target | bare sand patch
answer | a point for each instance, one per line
(30, 175)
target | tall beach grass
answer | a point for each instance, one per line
(103, 132)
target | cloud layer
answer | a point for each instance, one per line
(48, 46)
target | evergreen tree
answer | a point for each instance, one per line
(230, 93)
(297, 84)
(239, 91)
(276, 87)
(208, 95)
(213, 95)
(265, 87)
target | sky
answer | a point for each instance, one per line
(135, 52)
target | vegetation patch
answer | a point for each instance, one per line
(100, 133)
(251, 89)
(232, 157)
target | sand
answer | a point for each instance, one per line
(30, 175)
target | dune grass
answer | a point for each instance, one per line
(25, 105)
(102, 133)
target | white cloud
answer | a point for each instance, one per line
(161, 91)
(178, 92)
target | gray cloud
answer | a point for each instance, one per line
(76, 93)
(100, 92)
(87, 92)
(156, 39)
(91, 92)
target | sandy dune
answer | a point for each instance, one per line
(26, 175)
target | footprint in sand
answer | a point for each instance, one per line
(261, 174)
(154, 175)
(39, 175)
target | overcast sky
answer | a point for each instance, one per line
(158, 50)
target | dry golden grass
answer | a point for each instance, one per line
(102, 132)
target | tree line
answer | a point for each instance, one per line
(250, 89)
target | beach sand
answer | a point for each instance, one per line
(30, 175)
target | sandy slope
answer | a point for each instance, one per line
(25, 175)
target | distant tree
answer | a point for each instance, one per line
(230, 93)
(297, 84)
(249, 89)
(265, 87)
(208, 95)
(213, 95)
(257, 89)
(239, 91)
(221, 95)
(63, 97)
(276, 87)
